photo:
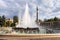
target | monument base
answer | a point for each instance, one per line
(26, 30)
(31, 37)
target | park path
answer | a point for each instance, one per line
(31, 37)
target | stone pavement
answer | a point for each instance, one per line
(18, 38)
(29, 37)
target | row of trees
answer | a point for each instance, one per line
(4, 23)
(52, 19)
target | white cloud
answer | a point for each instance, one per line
(55, 14)
(49, 3)
(47, 7)
(33, 5)
(6, 14)
(17, 5)
(57, 3)
(12, 0)
(2, 3)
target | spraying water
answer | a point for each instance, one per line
(28, 22)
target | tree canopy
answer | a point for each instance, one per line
(52, 19)
(3, 20)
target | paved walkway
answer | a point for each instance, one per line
(31, 37)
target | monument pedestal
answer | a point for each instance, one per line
(30, 37)
(27, 30)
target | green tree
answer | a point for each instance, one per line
(8, 23)
(13, 24)
(0, 21)
(49, 20)
(52, 19)
(3, 21)
(15, 19)
(56, 19)
(39, 20)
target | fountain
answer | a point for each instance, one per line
(26, 24)
(27, 21)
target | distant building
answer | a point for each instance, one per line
(11, 20)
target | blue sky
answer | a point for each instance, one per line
(47, 8)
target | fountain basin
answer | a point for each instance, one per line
(26, 30)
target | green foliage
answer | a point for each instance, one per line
(48, 20)
(15, 19)
(8, 23)
(52, 19)
(13, 25)
(56, 19)
(3, 21)
(0, 21)
(39, 20)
